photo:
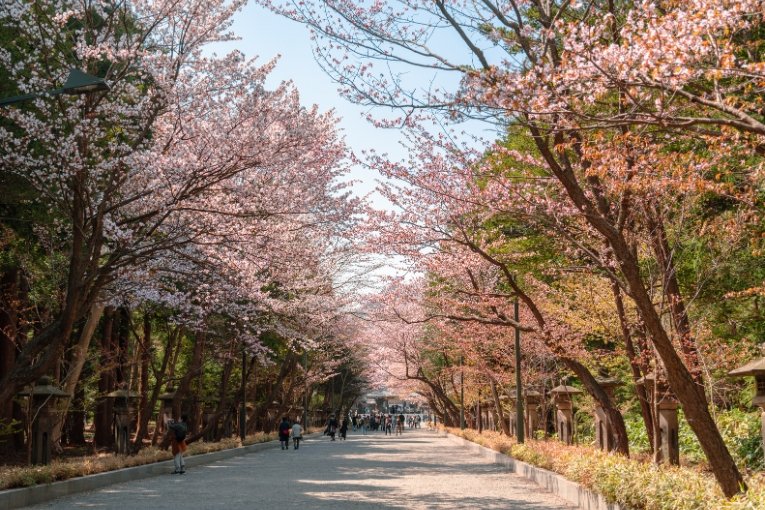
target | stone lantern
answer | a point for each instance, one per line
(604, 432)
(755, 369)
(564, 416)
(167, 400)
(209, 419)
(124, 414)
(533, 398)
(668, 447)
(42, 397)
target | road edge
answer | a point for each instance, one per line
(12, 499)
(562, 487)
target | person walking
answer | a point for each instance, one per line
(344, 429)
(400, 424)
(297, 435)
(331, 429)
(284, 433)
(364, 425)
(177, 431)
(388, 425)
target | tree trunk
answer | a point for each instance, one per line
(174, 339)
(75, 423)
(635, 365)
(79, 356)
(259, 416)
(450, 410)
(8, 335)
(671, 287)
(615, 417)
(104, 406)
(45, 349)
(184, 386)
(583, 373)
(122, 326)
(688, 392)
(498, 408)
(145, 411)
(194, 369)
(225, 379)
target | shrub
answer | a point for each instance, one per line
(741, 432)
(631, 483)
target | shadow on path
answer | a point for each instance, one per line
(417, 471)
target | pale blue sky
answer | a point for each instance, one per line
(267, 35)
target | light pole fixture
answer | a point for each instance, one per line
(243, 405)
(305, 390)
(478, 412)
(78, 82)
(462, 394)
(518, 390)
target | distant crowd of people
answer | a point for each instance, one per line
(293, 431)
(387, 423)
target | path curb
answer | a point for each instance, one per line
(18, 498)
(553, 482)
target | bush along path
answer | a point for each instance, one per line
(630, 483)
(15, 477)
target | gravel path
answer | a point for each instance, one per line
(416, 471)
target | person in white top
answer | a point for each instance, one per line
(297, 434)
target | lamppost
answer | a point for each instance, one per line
(478, 412)
(518, 390)
(462, 394)
(305, 393)
(243, 405)
(78, 82)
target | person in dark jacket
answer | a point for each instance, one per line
(343, 429)
(331, 427)
(284, 433)
(177, 431)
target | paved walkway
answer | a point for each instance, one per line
(416, 471)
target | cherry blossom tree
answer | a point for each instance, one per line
(598, 87)
(442, 227)
(184, 154)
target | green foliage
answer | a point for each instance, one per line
(8, 427)
(585, 427)
(636, 432)
(741, 432)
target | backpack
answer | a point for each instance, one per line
(180, 430)
(285, 431)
